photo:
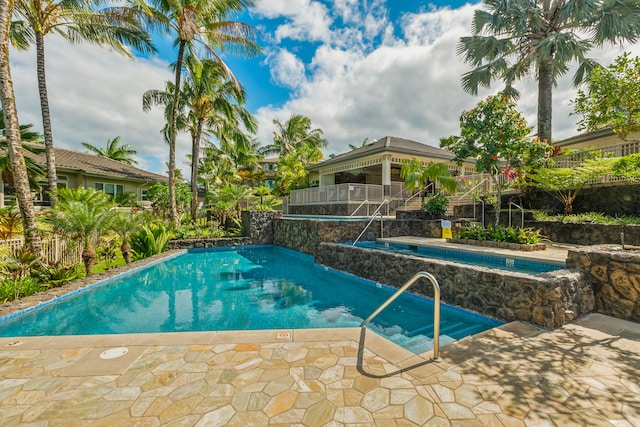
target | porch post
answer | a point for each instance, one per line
(1, 192)
(386, 175)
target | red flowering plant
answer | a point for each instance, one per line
(495, 134)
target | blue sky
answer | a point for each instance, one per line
(358, 68)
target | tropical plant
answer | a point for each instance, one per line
(495, 134)
(416, 175)
(514, 38)
(54, 275)
(363, 144)
(10, 223)
(150, 240)
(113, 27)
(107, 253)
(565, 184)
(200, 22)
(31, 144)
(500, 233)
(612, 99)
(436, 204)
(19, 171)
(124, 224)
(627, 167)
(297, 146)
(158, 194)
(82, 214)
(225, 201)
(213, 101)
(114, 151)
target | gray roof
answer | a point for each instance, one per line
(390, 144)
(588, 136)
(90, 164)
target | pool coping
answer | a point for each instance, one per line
(435, 243)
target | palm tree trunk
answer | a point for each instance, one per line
(195, 162)
(14, 145)
(125, 248)
(545, 90)
(89, 257)
(52, 176)
(173, 211)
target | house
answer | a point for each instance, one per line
(368, 174)
(269, 167)
(604, 140)
(76, 169)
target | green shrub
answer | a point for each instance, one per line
(55, 275)
(436, 204)
(500, 233)
(18, 287)
(150, 240)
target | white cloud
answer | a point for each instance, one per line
(306, 20)
(95, 95)
(409, 86)
(286, 69)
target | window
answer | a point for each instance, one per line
(113, 190)
(143, 195)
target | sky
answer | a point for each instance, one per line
(359, 69)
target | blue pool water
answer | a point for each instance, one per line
(244, 289)
(499, 262)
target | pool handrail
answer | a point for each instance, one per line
(373, 216)
(359, 206)
(436, 309)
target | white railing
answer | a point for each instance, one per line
(337, 194)
(54, 250)
(611, 151)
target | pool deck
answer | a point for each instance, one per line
(583, 374)
(555, 253)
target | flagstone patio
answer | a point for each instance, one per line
(585, 373)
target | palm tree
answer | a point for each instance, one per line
(76, 21)
(294, 134)
(12, 133)
(513, 38)
(114, 151)
(124, 224)
(203, 22)
(364, 144)
(416, 175)
(81, 215)
(33, 145)
(297, 146)
(214, 101)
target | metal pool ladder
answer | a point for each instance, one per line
(436, 309)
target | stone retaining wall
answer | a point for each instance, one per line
(209, 243)
(587, 234)
(549, 299)
(614, 276)
(306, 235)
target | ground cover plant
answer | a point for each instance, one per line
(587, 217)
(500, 233)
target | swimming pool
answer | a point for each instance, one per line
(472, 258)
(244, 289)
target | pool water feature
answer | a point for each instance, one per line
(243, 289)
(515, 264)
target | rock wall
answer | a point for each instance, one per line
(614, 276)
(209, 243)
(549, 300)
(305, 235)
(587, 234)
(258, 225)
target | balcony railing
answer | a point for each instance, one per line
(344, 193)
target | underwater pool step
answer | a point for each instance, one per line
(445, 328)
(419, 343)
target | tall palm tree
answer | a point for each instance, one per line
(198, 23)
(114, 151)
(297, 146)
(513, 38)
(81, 215)
(215, 101)
(77, 21)
(14, 145)
(294, 134)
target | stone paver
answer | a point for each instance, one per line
(582, 374)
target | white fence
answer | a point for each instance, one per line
(344, 193)
(55, 250)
